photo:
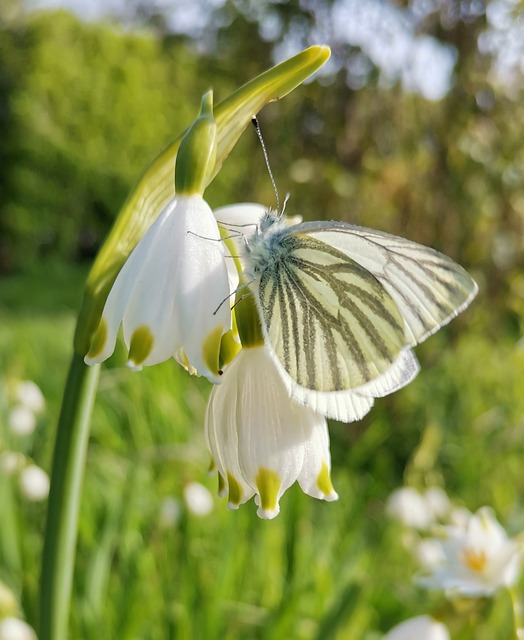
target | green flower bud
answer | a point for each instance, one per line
(197, 154)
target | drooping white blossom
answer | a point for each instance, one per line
(168, 295)
(261, 440)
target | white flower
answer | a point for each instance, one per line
(168, 294)
(34, 483)
(419, 628)
(429, 553)
(261, 441)
(198, 499)
(28, 393)
(11, 462)
(408, 505)
(15, 629)
(479, 558)
(438, 502)
(21, 420)
(418, 510)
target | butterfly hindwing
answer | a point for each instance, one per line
(330, 322)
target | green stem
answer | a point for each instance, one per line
(64, 499)
(518, 617)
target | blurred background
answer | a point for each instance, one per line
(416, 127)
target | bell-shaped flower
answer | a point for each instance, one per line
(419, 628)
(168, 294)
(478, 558)
(261, 440)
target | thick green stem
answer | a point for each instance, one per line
(64, 499)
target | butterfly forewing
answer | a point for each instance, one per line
(428, 287)
(330, 322)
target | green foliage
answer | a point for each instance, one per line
(89, 105)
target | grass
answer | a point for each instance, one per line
(319, 570)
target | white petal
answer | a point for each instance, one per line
(314, 477)
(221, 433)
(202, 285)
(150, 299)
(124, 286)
(419, 628)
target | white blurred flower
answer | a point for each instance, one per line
(478, 559)
(28, 393)
(408, 505)
(429, 553)
(34, 483)
(21, 420)
(11, 462)
(168, 294)
(169, 513)
(198, 499)
(15, 629)
(438, 502)
(460, 516)
(419, 628)
(261, 440)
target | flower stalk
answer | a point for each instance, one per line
(64, 499)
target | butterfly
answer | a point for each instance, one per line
(341, 305)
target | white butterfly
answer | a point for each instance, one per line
(341, 306)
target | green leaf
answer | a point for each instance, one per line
(156, 186)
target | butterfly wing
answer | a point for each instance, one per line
(331, 323)
(344, 304)
(429, 288)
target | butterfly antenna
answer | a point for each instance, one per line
(266, 158)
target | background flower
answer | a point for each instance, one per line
(479, 558)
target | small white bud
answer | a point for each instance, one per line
(198, 499)
(21, 420)
(407, 505)
(11, 462)
(28, 393)
(15, 629)
(34, 483)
